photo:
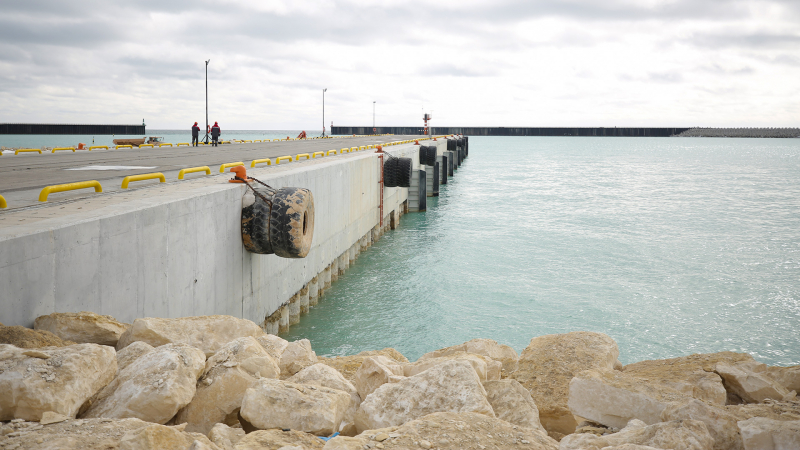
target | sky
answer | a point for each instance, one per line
(729, 63)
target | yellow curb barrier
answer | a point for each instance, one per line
(57, 149)
(145, 145)
(344, 150)
(320, 154)
(353, 149)
(259, 161)
(299, 155)
(98, 146)
(124, 146)
(247, 142)
(183, 172)
(165, 145)
(69, 187)
(27, 150)
(182, 143)
(330, 152)
(283, 158)
(3, 203)
(144, 176)
(256, 140)
(226, 165)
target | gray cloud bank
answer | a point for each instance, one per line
(527, 63)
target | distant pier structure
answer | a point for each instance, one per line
(517, 131)
(581, 131)
(62, 128)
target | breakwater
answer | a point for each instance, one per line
(175, 249)
(520, 131)
(60, 128)
(742, 132)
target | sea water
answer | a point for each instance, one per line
(671, 246)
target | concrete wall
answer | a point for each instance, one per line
(175, 250)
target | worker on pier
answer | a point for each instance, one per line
(215, 132)
(195, 134)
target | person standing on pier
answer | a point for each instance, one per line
(195, 134)
(215, 132)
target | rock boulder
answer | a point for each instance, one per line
(58, 379)
(235, 368)
(348, 365)
(280, 404)
(274, 345)
(72, 434)
(788, 377)
(208, 333)
(22, 337)
(513, 403)
(485, 367)
(324, 375)
(721, 424)
(452, 386)
(83, 327)
(750, 384)
(374, 372)
(506, 355)
(760, 433)
(154, 387)
(676, 435)
(296, 356)
(277, 439)
(132, 352)
(225, 437)
(549, 363)
(160, 437)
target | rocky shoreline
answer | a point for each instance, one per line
(86, 381)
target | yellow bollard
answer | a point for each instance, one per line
(124, 146)
(320, 154)
(69, 187)
(183, 172)
(330, 152)
(182, 143)
(259, 161)
(283, 158)
(299, 155)
(27, 150)
(145, 145)
(144, 176)
(63, 148)
(98, 146)
(3, 203)
(164, 145)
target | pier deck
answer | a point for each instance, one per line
(23, 176)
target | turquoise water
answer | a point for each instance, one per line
(671, 246)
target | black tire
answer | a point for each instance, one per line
(431, 161)
(255, 225)
(291, 227)
(423, 151)
(451, 145)
(404, 172)
(390, 172)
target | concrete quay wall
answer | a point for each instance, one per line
(175, 250)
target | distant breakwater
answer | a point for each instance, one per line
(580, 131)
(61, 128)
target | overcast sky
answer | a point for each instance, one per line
(468, 62)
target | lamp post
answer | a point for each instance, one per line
(373, 116)
(323, 111)
(205, 139)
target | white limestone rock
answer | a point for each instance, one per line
(788, 377)
(750, 385)
(452, 386)
(613, 398)
(323, 375)
(485, 367)
(281, 404)
(277, 439)
(274, 345)
(675, 435)
(296, 356)
(513, 403)
(208, 333)
(83, 327)
(548, 364)
(374, 372)
(130, 353)
(57, 379)
(154, 387)
(71, 434)
(721, 424)
(448, 431)
(235, 368)
(160, 437)
(225, 437)
(760, 433)
(506, 355)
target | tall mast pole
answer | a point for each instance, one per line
(205, 139)
(323, 111)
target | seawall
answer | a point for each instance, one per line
(175, 249)
(519, 131)
(61, 128)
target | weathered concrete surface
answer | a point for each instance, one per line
(174, 249)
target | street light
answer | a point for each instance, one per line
(205, 139)
(323, 111)
(373, 116)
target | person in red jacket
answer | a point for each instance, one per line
(215, 132)
(195, 134)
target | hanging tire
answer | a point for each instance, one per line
(255, 225)
(292, 222)
(431, 156)
(390, 172)
(404, 172)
